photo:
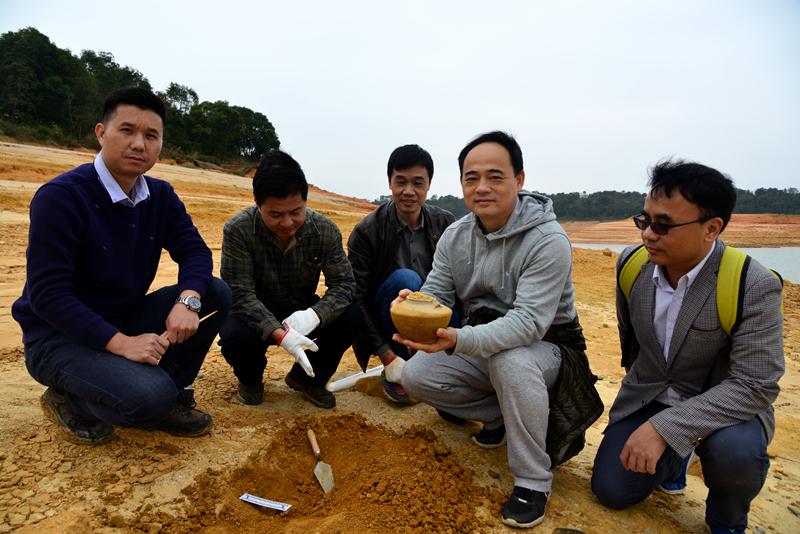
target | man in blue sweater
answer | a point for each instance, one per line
(109, 352)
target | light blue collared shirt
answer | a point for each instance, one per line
(139, 192)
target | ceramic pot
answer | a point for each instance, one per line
(419, 316)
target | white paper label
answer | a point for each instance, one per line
(282, 506)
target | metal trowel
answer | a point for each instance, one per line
(322, 470)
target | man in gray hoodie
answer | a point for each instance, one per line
(511, 262)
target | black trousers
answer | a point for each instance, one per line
(246, 352)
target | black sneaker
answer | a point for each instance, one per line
(184, 419)
(316, 396)
(74, 430)
(251, 394)
(525, 508)
(456, 420)
(490, 439)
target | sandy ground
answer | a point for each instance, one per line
(399, 468)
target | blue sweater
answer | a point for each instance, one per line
(90, 259)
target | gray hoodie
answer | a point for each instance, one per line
(523, 271)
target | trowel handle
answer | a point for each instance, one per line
(312, 438)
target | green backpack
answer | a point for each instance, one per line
(730, 283)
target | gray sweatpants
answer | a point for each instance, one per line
(508, 388)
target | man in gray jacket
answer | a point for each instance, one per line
(691, 387)
(511, 262)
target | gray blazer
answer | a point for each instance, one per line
(746, 368)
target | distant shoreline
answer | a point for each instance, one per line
(743, 231)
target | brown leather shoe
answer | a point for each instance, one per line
(316, 396)
(185, 420)
(251, 395)
(74, 430)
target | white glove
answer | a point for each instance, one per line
(303, 321)
(394, 370)
(292, 342)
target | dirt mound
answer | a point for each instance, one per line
(384, 481)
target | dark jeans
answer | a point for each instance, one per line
(734, 461)
(246, 352)
(400, 279)
(101, 386)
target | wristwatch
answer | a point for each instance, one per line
(192, 302)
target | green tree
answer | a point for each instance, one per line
(215, 129)
(109, 76)
(257, 134)
(180, 97)
(54, 91)
(41, 84)
(179, 100)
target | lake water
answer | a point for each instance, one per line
(786, 260)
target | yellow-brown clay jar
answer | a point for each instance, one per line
(419, 316)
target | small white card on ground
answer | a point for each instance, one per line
(282, 506)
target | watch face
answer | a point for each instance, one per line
(193, 303)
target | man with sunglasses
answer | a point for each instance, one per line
(690, 387)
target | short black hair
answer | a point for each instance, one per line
(507, 141)
(712, 191)
(279, 176)
(407, 156)
(134, 96)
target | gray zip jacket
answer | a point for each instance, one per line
(523, 271)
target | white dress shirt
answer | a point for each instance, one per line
(139, 192)
(667, 306)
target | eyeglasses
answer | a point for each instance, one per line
(661, 228)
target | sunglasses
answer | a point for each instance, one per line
(661, 228)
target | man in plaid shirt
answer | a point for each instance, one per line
(272, 256)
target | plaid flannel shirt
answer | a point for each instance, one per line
(263, 275)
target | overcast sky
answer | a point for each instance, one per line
(594, 91)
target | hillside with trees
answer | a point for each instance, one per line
(49, 95)
(615, 205)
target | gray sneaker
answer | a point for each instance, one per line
(74, 430)
(185, 420)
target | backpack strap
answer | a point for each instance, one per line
(631, 267)
(730, 288)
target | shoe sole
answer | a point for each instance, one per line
(292, 383)
(489, 446)
(185, 434)
(512, 523)
(66, 435)
(671, 492)
(397, 401)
